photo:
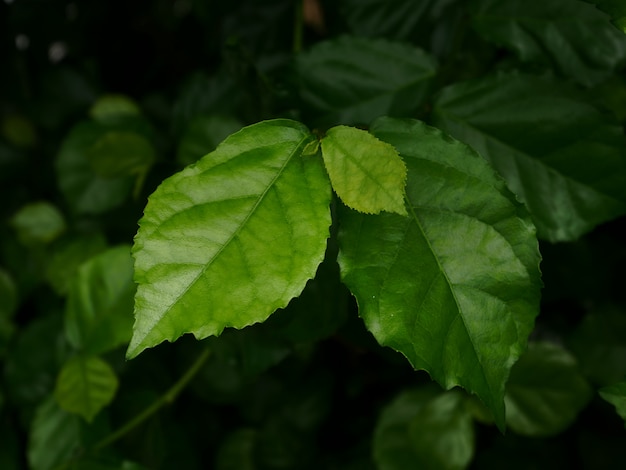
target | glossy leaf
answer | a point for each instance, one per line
(85, 385)
(455, 286)
(367, 174)
(232, 238)
(424, 428)
(559, 154)
(355, 80)
(616, 396)
(545, 392)
(38, 223)
(573, 35)
(99, 312)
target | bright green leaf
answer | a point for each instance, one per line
(559, 154)
(85, 385)
(38, 223)
(545, 392)
(616, 396)
(454, 287)
(99, 312)
(426, 429)
(203, 134)
(574, 36)
(355, 80)
(54, 436)
(367, 174)
(229, 240)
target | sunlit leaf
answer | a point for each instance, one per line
(545, 392)
(232, 238)
(559, 154)
(455, 286)
(99, 312)
(85, 385)
(616, 396)
(355, 80)
(574, 36)
(366, 173)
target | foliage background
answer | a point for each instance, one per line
(309, 388)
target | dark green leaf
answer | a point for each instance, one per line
(616, 396)
(616, 9)
(425, 429)
(232, 238)
(120, 153)
(559, 154)
(237, 451)
(99, 312)
(38, 223)
(109, 108)
(455, 286)
(354, 80)
(574, 36)
(8, 295)
(545, 392)
(203, 134)
(367, 174)
(85, 385)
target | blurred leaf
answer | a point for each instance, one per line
(574, 36)
(559, 154)
(353, 80)
(8, 295)
(397, 19)
(110, 107)
(202, 136)
(459, 307)
(66, 257)
(118, 153)
(545, 392)
(616, 396)
(237, 451)
(19, 131)
(424, 428)
(367, 174)
(85, 385)
(11, 454)
(54, 436)
(261, 228)
(99, 312)
(616, 9)
(38, 223)
(599, 343)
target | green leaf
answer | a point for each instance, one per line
(120, 153)
(229, 240)
(237, 451)
(8, 295)
(545, 392)
(203, 134)
(559, 154)
(85, 385)
(111, 107)
(616, 9)
(54, 436)
(455, 286)
(616, 396)
(367, 174)
(38, 223)
(425, 429)
(354, 80)
(574, 36)
(99, 311)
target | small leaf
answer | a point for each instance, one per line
(111, 107)
(355, 80)
(558, 153)
(99, 312)
(425, 429)
(574, 36)
(367, 174)
(545, 392)
(85, 385)
(616, 396)
(455, 286)
(229, 240)
(38, 223)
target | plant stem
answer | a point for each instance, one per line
(167, 398)
(297, 27)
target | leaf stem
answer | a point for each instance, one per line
(167, 398)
